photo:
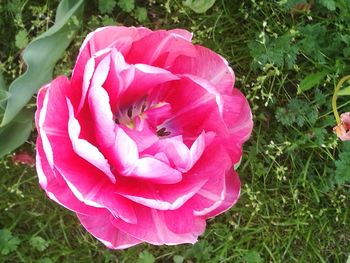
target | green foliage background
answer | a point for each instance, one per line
(295, 174)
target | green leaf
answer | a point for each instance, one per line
(107, 21)
(21, 39)
(252, 257)
(126, 5)
(16, 132)
(297, 112)
(45, 260)
(199, 6)
(106, 6)
(4, 95)
(342, 172)
(178, 259)
(41, 56)
(38, 243)
(141, 14)
(329, 4)
(8, 243)
(146, 257)
(311, 81)
(2, 82)
(344, 92)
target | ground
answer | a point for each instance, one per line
(287, 59)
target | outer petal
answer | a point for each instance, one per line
(100, 226)
(55, 186)
(238, 119)
(51, 180)
(208, 65)
(159, 48)
(183, 33)
(221, 190)
(120, 38)
(155, 230)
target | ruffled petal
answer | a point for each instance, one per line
(85, 149)
(101, 227)
(207, 65)
(239, 122)
(117, 37)
(160, 48)
(115, 144)
(55, 186)
(221, 190)
(190, 101)
(156, 171)
(155, 230)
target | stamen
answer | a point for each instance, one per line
(163, 132)
(130, 112)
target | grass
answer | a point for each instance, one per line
(291, 208)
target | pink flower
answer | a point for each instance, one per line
(342, 130)
(142, 140)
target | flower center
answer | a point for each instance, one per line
(142, 111)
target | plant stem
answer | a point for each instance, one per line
(335, 96)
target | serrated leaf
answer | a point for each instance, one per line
(342, 171)
(297, 112)
(141, 14)
(21, 39)
(41, 56)
(38, 243)
(199, 6)
(311, 81)
(108, 21)
(126, 5)
(16, 132)
(106, 6)
(146, 257)
(8, 242)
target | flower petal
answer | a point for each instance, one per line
(154, 230)
(85, 149)
(156, 171)
(100, 226)
(208, 65)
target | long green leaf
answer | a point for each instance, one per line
(4, 95)
(16, 132)
(311, 81)
(41, 56)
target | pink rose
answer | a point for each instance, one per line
(142, 140)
